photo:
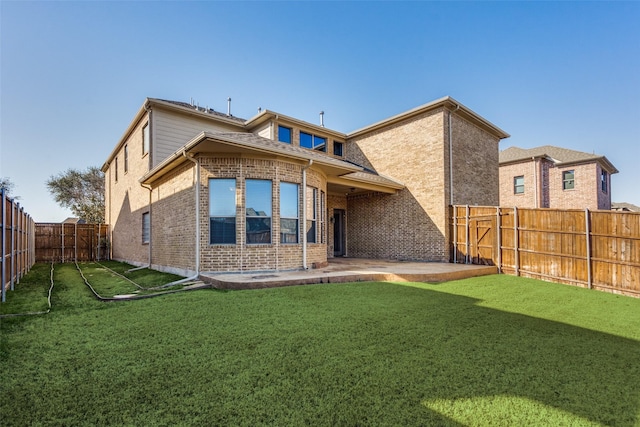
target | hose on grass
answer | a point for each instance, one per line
(151, 288)
(120, 275)
(34, 313)
(123, 297)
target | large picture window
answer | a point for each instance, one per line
(312, 195)
(258, 211)
(313, 142)
(288, 212)
(568, 180)
(222, 211)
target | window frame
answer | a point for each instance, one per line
(604, 181)
(338, 144)
(290, 130)
(517, 186)
(126, 158)
(568, 183)
(146, 228)
(260, 217)
(311, 219)
(225, 218)
(290, 218)
(313, 138)
(146, 140)
(116, 169)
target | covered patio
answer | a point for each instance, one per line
(342, 270)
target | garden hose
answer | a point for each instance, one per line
(33, 313)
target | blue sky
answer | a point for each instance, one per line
(73, 74)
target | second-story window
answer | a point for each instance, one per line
(126, 159)
(116, 170)
(338, 148)
(145, 139)
(313, 142)
(568, 180)
(518, 184)
(284, 134)
(604, 182)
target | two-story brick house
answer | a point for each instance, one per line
(554, 177)
(192, 190)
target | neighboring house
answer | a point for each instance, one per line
(72, 220)
(624, 207)
(554, 177)
(191, 190)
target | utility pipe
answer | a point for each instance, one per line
(304, 214)
(535, 181)
(197, 196)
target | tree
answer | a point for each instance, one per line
(7, 185)
(80, 191)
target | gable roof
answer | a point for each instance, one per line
(558, 155)
(628, 207)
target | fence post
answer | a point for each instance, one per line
(516, 240)
(455, 234)
(466, 236)
(12, 255)
(75, 242)
(499, 239)
(588, 237)
(4, 244)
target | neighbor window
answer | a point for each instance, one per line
(518, 185)
(288, 212)
(338, 148)
(145, 139)
(568, 180)
(146, 227)
(312, 195)
(126, 158)
(258, 210)
(313, 142)
(222, 211)
(604, 181)
(116, 170)
(284, 134)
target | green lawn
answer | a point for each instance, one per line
(495, 351)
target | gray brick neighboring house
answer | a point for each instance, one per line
(191, 190)
(554, 177)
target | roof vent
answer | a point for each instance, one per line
(322, 118)
(259, 110)
(229, 106)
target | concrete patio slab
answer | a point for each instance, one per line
(341, 270)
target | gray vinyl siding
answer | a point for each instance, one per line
(173, 130)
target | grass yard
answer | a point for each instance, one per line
(495, 351)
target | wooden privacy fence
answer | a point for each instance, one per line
(593, 249)
(56, 242)
(18, 254)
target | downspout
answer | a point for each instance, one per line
(304, 214)
(197, 196)
(451, 157)
(535, 181)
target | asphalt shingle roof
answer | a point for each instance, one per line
(558, 154)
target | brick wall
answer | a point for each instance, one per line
(126, 201)
(173, 235)
(585, 191)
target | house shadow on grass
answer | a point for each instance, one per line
(482, 366)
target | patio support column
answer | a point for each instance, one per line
(304, 214)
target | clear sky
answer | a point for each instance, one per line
(73, 74)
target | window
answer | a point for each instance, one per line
(568, 180)
(338, 148)
(313, 142)
(312, 194)
(518, 184)
(284, 134)
(116, 170)
(604, 181)
(288, 212)
(126, 158)
(146, 227)
(145, 139)
(322, 217)
(222, 211)
(258, 211)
